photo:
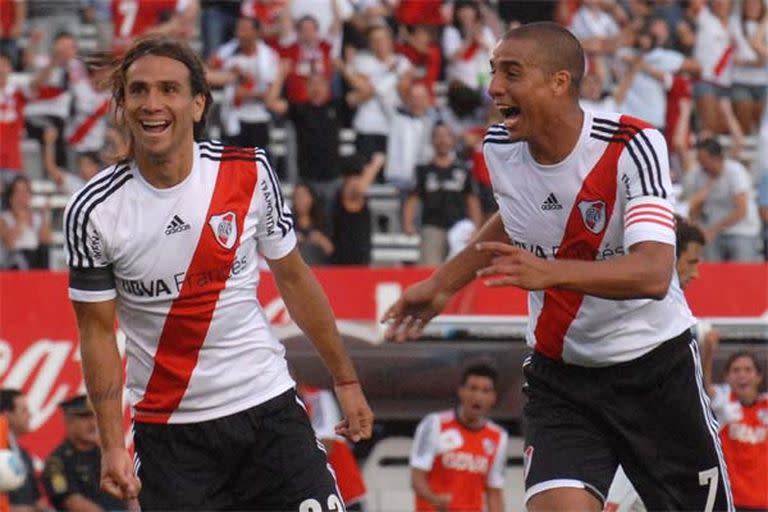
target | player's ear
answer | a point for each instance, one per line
(561, 82)
(198, 107)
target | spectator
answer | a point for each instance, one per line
(99, 14)
(326, 12)
(13, 404)
(351, 216)
(412, 13)
(750, 74)
(324, 414)
(597, 30)
(72, 473)
(467, 45)
(307, 52)
(446, 191)
(12, 101)
(459, 456)
(251, 67)
(309, 223)
(714, 51)
(379, 79)
(741, 409)
(646, 97)
(419, 48)
(59, 73)
(317, 126)
(13, 15)
(67, 183)
(593, 98)
(50, 18)
(408, 143)
(721, 199)
(24, 233)
(135, 18)
(269, 15)
(218, 23)
(86, 129)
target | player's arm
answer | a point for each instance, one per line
(495, 500)
(421, 488)
(709, 345)
(79, 503)
(309, 308)
(422, 301)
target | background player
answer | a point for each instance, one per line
(168, 239)
(604, 304)
(459, 455)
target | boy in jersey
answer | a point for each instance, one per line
(167, 240)
(459, 456)
(742, 411)
(586, 225)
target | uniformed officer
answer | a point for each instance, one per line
(72, 472)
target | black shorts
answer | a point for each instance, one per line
(651, 415)
(264, 458)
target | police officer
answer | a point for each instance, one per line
(72, 472)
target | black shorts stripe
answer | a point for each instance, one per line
(284, 221)
(78, 252)
(714, 428)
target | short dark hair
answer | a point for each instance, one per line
(558, 48)
(711, 146)
(10, 189)
(480, 370)
(63, 35)
(164, 46)
(255, 23)
(743, 353)
(8, 399)
(687, 233)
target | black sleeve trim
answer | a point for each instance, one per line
(93, 279)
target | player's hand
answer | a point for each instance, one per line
(117, 476)
(442, 501)
(417, 305)
(358, 417)
(517, 267)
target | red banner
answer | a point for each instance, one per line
(38, 336)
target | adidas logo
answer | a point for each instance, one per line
(551, 203)
(177, 226)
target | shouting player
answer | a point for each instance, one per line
(167, 240)
(459, 456)
(585, 224)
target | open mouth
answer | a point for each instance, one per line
(155, 127)
(509, 112)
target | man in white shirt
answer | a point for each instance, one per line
(167, 241)
(721, 198)
(586, 225)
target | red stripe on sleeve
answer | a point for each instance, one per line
(579, 242)
(669, 225)
(189, 317)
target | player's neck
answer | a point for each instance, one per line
(553, 146)
(472, 423)
(166, 171)
(749, 398)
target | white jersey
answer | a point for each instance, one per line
(610, 193)
(182, 264)
(87, 130)
(713, 49)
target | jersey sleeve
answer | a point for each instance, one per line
(424, 448)
(274, 230)
(499, 466)
(719, 403)
(91, 276)
(644, 170)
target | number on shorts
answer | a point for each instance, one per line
(312, 505)
(129, 9)
(709, 477)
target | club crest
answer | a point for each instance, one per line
(224, 228)
(593, 214)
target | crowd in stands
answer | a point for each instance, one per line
(408, 78)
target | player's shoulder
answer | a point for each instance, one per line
(215, 150)
(616, 123)
(105, 184)
(497, 429)
(763, 400)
